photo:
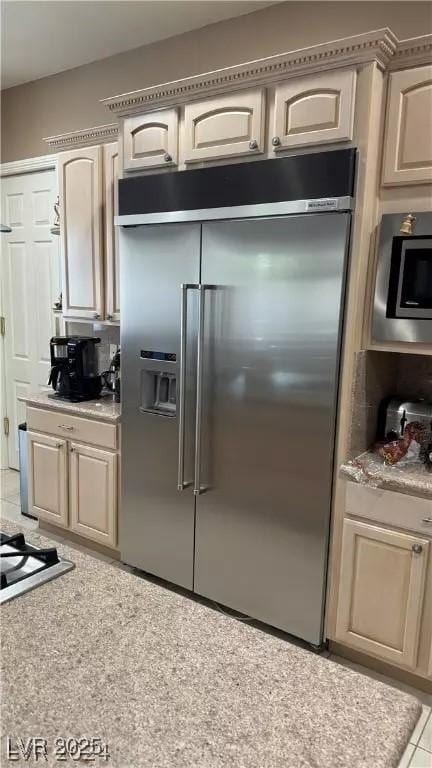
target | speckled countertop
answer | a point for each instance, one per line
(370, 469)
(104, 409)
(168, 682)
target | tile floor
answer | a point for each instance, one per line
(418, 753)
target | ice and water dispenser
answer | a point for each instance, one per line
(158, 383)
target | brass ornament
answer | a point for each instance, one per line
(407, 226)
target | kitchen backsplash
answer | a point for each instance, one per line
(380, 375)
(108, 334)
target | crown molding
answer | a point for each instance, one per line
(84, 138)
(412, 52)
(379, 46)
(30, 165)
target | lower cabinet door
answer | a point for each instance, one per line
(93, 493)
(47, 478)
(381, 592)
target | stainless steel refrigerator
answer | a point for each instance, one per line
(230, 334)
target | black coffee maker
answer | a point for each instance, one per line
(74, 368)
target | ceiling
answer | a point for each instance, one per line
(42, 37)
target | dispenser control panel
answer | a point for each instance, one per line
(150, 354)
(158, 385)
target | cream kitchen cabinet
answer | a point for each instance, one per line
(89, 240)
(111, 165)
(381, 593)
(150, 140)
(73, 480)
(81, 200)
(93, 493)
(47, 478)
(315, 109)
(224, 126)
(408, 132)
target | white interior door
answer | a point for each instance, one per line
(30, 283)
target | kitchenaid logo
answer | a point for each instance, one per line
(324, 204)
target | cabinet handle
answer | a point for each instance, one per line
(109, 317)
(65, 426)
(253, 144)
(59, 445)
(427, 520)
(417, 548)
(167, 157)
(96, 316)
(276, 141)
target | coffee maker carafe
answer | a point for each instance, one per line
(74, 368)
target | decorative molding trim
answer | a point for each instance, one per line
(379, 46)
(84, 138)
(30, 165)
(412, 52)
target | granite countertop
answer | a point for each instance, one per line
(103, 409)
(171, 682)
(370, 469)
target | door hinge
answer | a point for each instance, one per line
(2, 326)
(6, 425)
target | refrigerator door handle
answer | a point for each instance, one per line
(185, 287)
(200, 367)
(197, 484)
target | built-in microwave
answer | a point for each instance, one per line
(403, 287)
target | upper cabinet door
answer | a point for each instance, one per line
(80, 189)
(315, 109)
(112, 276)
(151, 140)
(224, 126)
(408, 136)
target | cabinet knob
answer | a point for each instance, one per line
(109, 317)
(167, 157)
(59, 445)
(96, 316)
(253, 144)
(276, 141)
(417, 548)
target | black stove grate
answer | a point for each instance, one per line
(48, 557)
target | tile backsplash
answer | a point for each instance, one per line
(380, 375)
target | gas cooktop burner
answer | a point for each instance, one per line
(24, 566)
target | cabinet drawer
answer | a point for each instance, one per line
(73, 427)
(388, 507)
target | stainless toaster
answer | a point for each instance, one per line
(396, 414)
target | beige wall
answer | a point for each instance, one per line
(69, 101)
